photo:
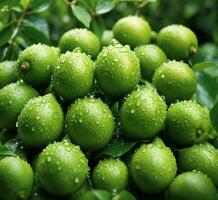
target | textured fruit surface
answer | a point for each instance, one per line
(13, 98)
(175, 81)
(143, 114)
(151, 57)
(16, 179)
(187, 123)
(117, 70)
(153, 167)
(8, 73)
(83, 38)
(111, 175)
(40, 121)
(191, 186)
(202, 157)
(35, 64)
(73, 76)
(90, 124)
(132, 30)
(61, 168)
(177, 41)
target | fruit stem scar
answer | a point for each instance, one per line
(199, 132)
(24, 66)
(192, 50)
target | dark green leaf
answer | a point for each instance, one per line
(118, 148)
(5, 151)
(5, 35)
(82, 15)
(124, 195)
(98, 27)
(207, 90)
(9, 3)
(102, 194)
(104, 6)
(40, 5)
(214, 116)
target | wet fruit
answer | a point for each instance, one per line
(143, 114)
(151, 57)
(40, 121)
(35, 64)
(132, 30)
(153, 167)
(111, 175)
(177, 41)
(73, 76)
(16, 179)
(187, 123)
(13, 98)
(61, 168)
(90, 124)
(83, 38)
(117, 70)
(175, 81)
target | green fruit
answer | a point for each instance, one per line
(90, 124)
(117, 70)
(73, 76)
(153, 167)
(202, 157)
(151, 57)
(187, 123)
(16, 179)
(95, 195)
(83, 38)
(191, 186)
(175, 81)
(132, 30)
(13, 97)
(178, 42)
(107, 38)
(40, 121)
(61, 168)
(8, 73)
(35, 64)
(111, 175)
(143, 114)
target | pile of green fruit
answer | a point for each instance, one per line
(62, 107)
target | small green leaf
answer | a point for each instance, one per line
(9, 3)
(118, 148)
(98, 27)
(6, 34)
(24, 3)
(40, 5)
(101, 194)
(214, 116)
(5, 151)
(82, 15)
(104, 6)
(124, 195)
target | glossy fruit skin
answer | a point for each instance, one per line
(202, 157)
(191, 186)
(13, 98)
(35, 64)
(73, 76)
(90, 124)
(187, 123)
(175, 81)
(110, 175)
(61, 168)
(16, 179)
(153, 167)
(107, 38)
(83, 38)
(177, 41)
(8, 73)
(117, 70)
(151, 57)
(143, 114)
(132, 30)
(40, 121)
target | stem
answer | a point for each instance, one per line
(140, 6)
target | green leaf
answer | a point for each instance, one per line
(9, 3)
(6, 151)
(124, 195)
(104, 6)
(6, 34)
(214, 116)
(82, 15)
(207, 90)
(40, 5)
(118, 148)
(98, 27)
(101, 194)
(24, 3)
